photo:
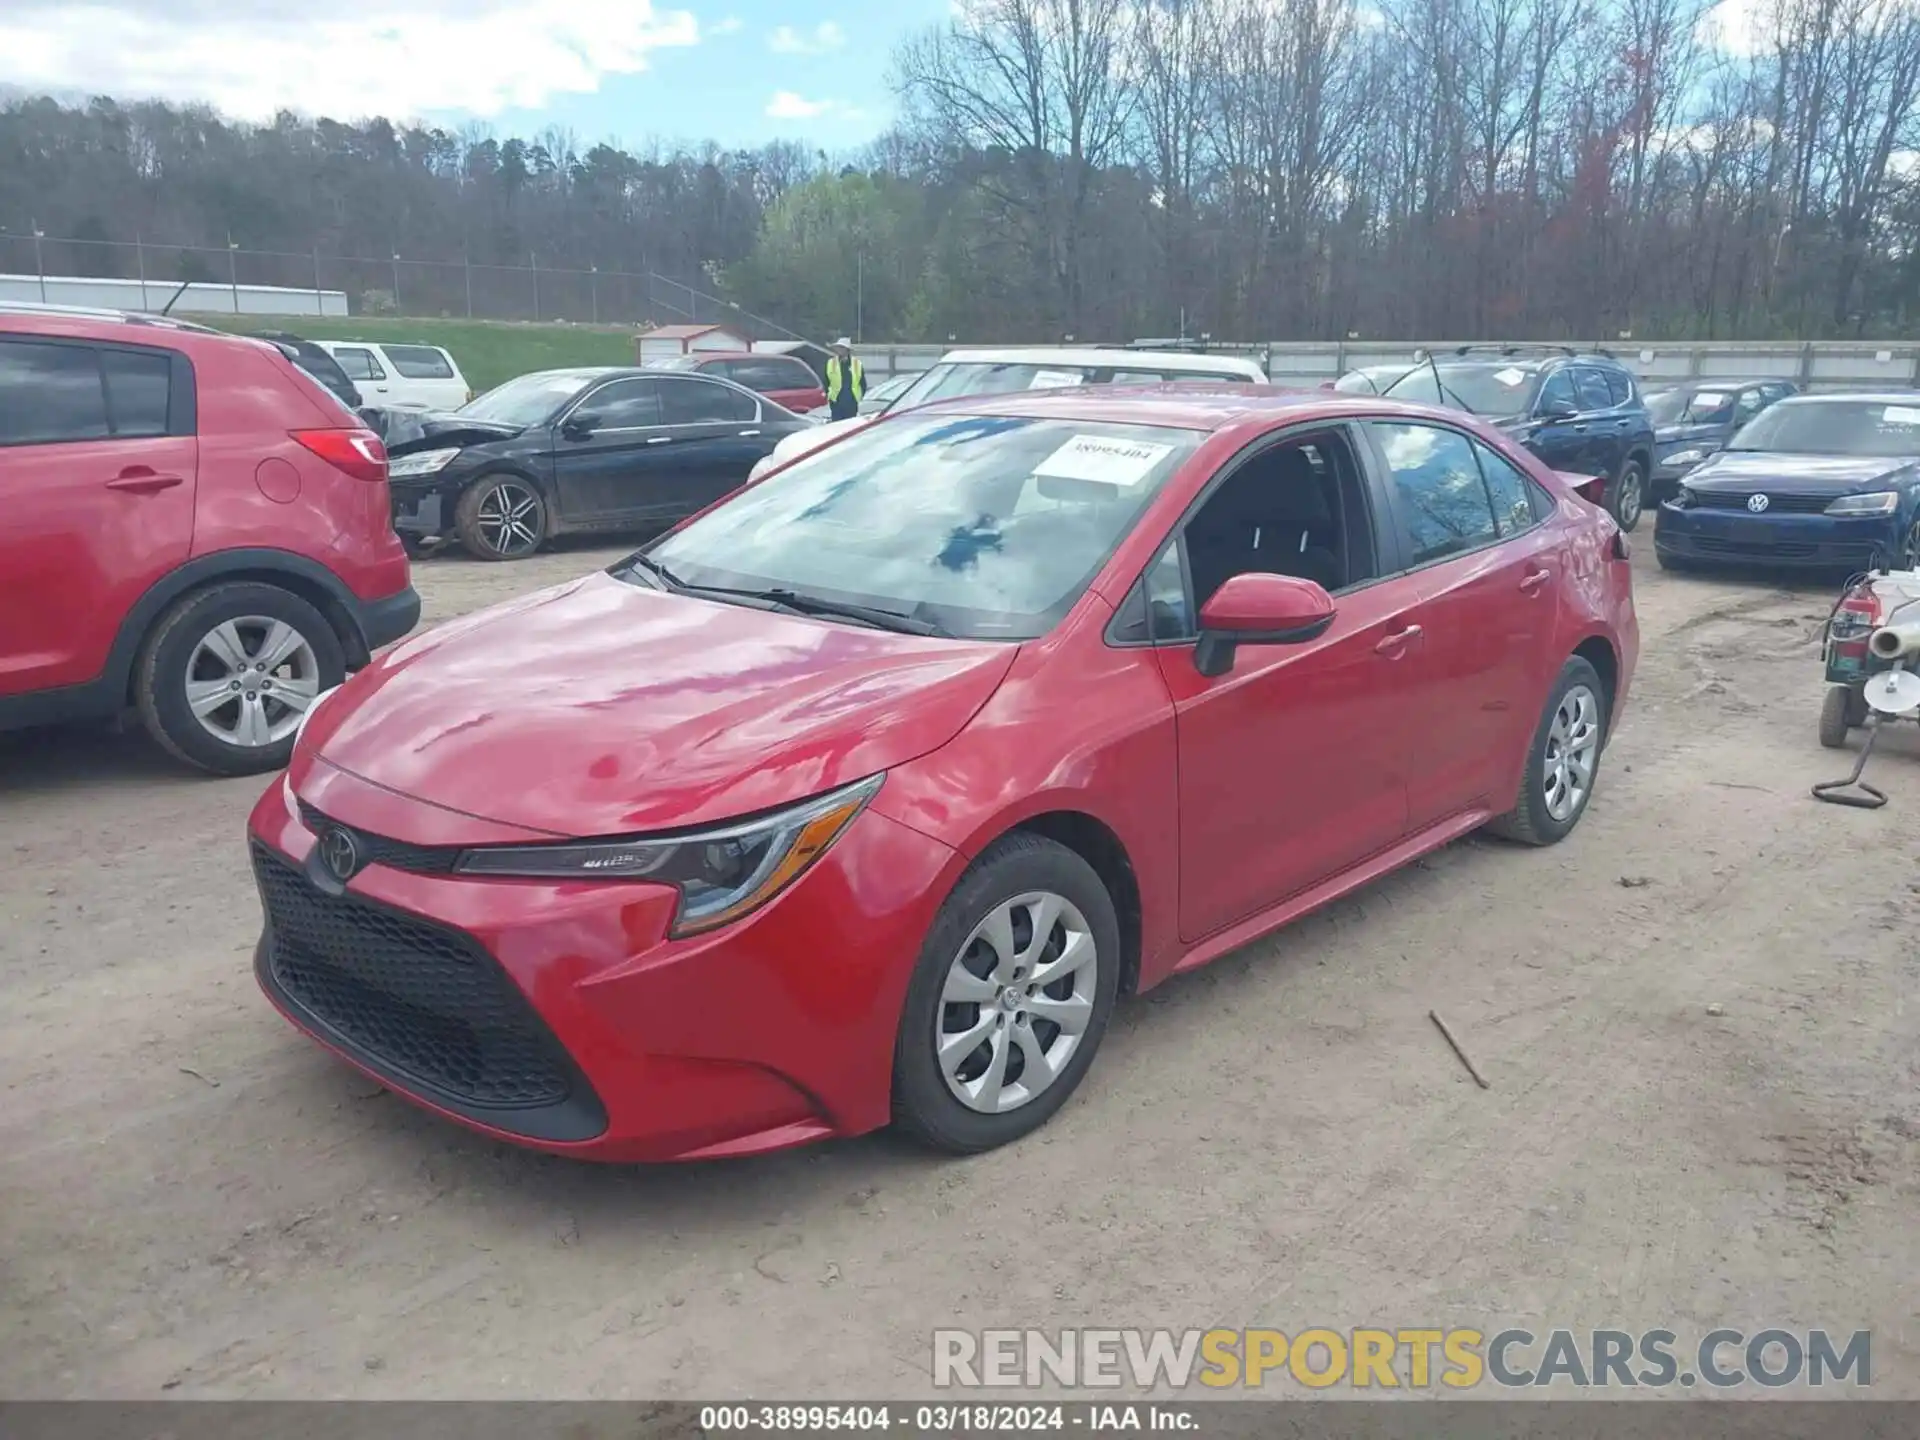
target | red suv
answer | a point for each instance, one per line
(860, 797)
(196, 530)
(781, 378)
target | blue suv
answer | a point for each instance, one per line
(1581, 413)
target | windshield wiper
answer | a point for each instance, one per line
(653, 567)
(794, 602)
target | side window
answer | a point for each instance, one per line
(1557, 396)
(1513, 506)
(359, 364)
(50, 393)
(699, 402)
(1168, 615)
(1751, 403)
(1594, 393)
(419, 362)
(1442, 500)
(139, 391)
(791, 375)
(1619, 386)
(622, 405)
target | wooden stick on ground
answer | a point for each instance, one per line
(1465, 1059)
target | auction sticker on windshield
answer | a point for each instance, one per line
(1055, 379)
(1103, 461)
(1511, 378)
(1900, 415)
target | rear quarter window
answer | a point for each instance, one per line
(419, 362)
(1619, 386)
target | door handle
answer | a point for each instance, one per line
(745, 433)
(142, 481)
(659, 440)
(1532, 583)
(1398, 641)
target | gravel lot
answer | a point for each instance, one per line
(1693, 1014)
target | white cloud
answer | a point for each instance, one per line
(732, 25)
(380, 57)
(1734, 26)
(823, 37)
(785, 105)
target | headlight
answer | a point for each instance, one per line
(421, 462)
(722, 874)
(1686, 457)
(1682, 498)
(300, 727)
(1879, 502)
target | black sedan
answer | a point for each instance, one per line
(1827, 482)
(1693, 420)
(562, 451)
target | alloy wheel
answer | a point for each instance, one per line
(1573, 748)
(250, 679)
(1017, 1001)
(1632, 495)
(508, 519)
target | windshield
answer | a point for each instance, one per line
(1486, 388)
(988, 526)
(951, 380)
(1690, 407)
(1829, 427)
(530, 400)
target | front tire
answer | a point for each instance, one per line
(1562, 762)
(501, 517)
(1626, 493)
(224, 678)
(1009, 1000)
(1834, 717)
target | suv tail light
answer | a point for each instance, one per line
(358, 452)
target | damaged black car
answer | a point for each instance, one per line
(567, 451)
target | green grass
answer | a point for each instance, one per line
(487, 351)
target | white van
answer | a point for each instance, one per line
(1032, 367)
(401, 377)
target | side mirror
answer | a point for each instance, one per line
(1256, 609)
(577, 428)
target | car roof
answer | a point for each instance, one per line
(1177, 405)
(1095, 357)
(1866, 397)
(1702, 382)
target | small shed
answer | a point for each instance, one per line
(813, 356)
(665, 342)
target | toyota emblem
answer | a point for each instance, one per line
(1757, 503)
(340, 854)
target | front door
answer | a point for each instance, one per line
(611, 454)
(1487, 575)
(1292, 765)
(1562, 438)
(98, 464)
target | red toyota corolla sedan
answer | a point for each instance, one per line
(863, 796)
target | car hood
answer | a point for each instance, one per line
(805, 442)
(1743, 471)
(605, 708)
(431, 429)
(1674, 434)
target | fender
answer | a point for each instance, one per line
(106, 696)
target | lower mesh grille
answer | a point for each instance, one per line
(414, 998)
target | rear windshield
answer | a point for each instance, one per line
(1484, 387)
(1835, 427)
(1690, 407)
(951, 380)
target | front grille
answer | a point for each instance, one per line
(424, 1002)
(1776, 504)
(1760, 550)
(379, 850)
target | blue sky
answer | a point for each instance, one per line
(741, 72)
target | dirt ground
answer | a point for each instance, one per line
(1693, 1014)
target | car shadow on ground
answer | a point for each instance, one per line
(63, 756)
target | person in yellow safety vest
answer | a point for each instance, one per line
(846, 380)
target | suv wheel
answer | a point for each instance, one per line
(1626, 496)
(1562, 761)
(228, 671)
(501, 517)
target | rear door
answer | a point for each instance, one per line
(423, 375)
(1488, 580)
(1607, 427)
(715, 435)
(610, 453)
(98, 464)
(369, 376)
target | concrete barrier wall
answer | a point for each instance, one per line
(209, 298)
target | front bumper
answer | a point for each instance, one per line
(1698, 535)
(560, 1016)
(424, 513)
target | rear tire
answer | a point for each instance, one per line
(501, 517)
(200, 688)
(1834, 717)
(1626, 493)
(972, 963)
(1563, 762)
